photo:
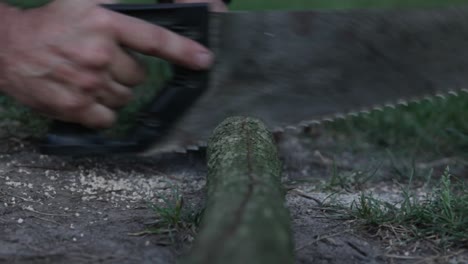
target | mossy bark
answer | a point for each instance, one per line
(245, 220)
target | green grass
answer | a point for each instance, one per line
(172, 212)
(440, 217)
(438, 128)
(172, 218)
(349, 181)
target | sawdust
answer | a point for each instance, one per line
(96, 183)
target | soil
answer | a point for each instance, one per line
(93, 210)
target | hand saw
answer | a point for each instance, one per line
(287, 68)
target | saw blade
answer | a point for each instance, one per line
(296, 68)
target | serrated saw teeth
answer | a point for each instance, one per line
(340, 116)
(193, 147)
(425, 98)
(305, 124)
(292, 128)
(402, 103)
(389, 105)
(378, 108)
(314, 122)
(180, 150)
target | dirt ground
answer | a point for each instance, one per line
(64, 210)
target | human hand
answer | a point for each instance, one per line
(66, 60)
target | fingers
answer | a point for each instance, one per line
(96, 116)
(75, 76)
(94, 52)
(99, 86)
(68, 102)
(83, 74)
(106, 75)
(65, 104)
(91, 114)
(115, 96)
(157, 41)
(125, 69)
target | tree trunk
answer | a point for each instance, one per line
(245, 220)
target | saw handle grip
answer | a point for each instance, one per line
(154, 119)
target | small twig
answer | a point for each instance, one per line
(19, 197)
(441, 162)
(47, 220)
(403, 257)
(393, 230)
(304, 195)
(43, 167)
(149, 232)
(356, 248)
(47, 214)
(326, 208)
(319, 217)
(320, 238)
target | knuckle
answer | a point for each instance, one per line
(98, 56)
(101, 19)
(161, 41)
(90, 82)
(70, 106)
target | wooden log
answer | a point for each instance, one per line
(245, 219)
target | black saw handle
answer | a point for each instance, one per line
(156, 118)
